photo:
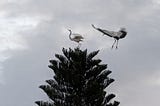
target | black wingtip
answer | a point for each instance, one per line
(93, 26)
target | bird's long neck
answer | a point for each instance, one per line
(124, 33)
(70, 33)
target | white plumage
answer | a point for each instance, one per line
(75, 37)
(116, 35)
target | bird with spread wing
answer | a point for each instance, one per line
(116, 35)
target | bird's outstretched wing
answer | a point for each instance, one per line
(105, 32)
(112, 33)
(116, 34)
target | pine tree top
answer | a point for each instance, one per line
(79, 80)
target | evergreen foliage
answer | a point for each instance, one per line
(79, 80)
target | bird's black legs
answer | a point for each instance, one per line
(114, 43)
(117, 45)
(79, 45)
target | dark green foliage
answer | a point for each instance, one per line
(79, 80)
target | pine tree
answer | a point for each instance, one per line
(79, 80)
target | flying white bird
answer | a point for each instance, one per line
(116, 35)
(76, 37)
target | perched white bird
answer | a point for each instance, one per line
(116, 35)
(76, 37)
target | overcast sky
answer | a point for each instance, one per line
(32, 31)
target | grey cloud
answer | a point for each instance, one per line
(132, 64)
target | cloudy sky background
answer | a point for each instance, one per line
(32, 31)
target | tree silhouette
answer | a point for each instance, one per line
(79, 80)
